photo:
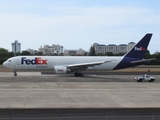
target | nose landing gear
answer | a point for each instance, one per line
(15, 73)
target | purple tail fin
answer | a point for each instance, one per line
(139, 50)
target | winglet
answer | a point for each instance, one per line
(138, 51)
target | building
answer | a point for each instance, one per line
(99, 48)
(122, 48)
(16, 47)
(32, 51)
(79, 52)
(115, 49)
(111, 48)
(131, 45)
(50, 50)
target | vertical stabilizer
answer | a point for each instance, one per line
(139, 50)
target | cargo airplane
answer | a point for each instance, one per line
(77, 64)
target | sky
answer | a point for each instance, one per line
(78, 24)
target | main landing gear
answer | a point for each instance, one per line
(15, 73)
(78, 74)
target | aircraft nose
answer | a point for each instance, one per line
(4, 64)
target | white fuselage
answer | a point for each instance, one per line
(49, 62)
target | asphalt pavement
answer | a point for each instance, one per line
(31, 95)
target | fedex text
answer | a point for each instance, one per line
(140, 49)
(36, 61)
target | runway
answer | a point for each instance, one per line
(31, 90)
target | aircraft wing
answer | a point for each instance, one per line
(85, 65)
(143, 61)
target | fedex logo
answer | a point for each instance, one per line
(36, 61)
(140, 49)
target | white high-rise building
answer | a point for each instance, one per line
(16, 47)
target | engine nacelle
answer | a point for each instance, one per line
(61, 70)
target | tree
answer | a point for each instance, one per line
(119, 54)
(147, 55)
(55, 54)
(85, 54)
(155, 62)
(10, 54)
(3, 55)
(3, 52)
(17, 54)
(101, 54)
(92, 51)
(25, 53)
(109, 53)
(39, 53)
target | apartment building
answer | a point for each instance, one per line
(50, 50)
(115, 49)
(79, 52)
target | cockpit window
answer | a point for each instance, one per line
(9, 60)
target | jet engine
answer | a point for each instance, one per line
(61, 70)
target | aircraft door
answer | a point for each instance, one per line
(18, 61)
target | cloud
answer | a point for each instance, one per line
(81, 17)
(72, 24)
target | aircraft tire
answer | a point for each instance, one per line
(78, 74)
(75, 74)
(81, 74)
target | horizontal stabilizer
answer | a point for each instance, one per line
(143, 61)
